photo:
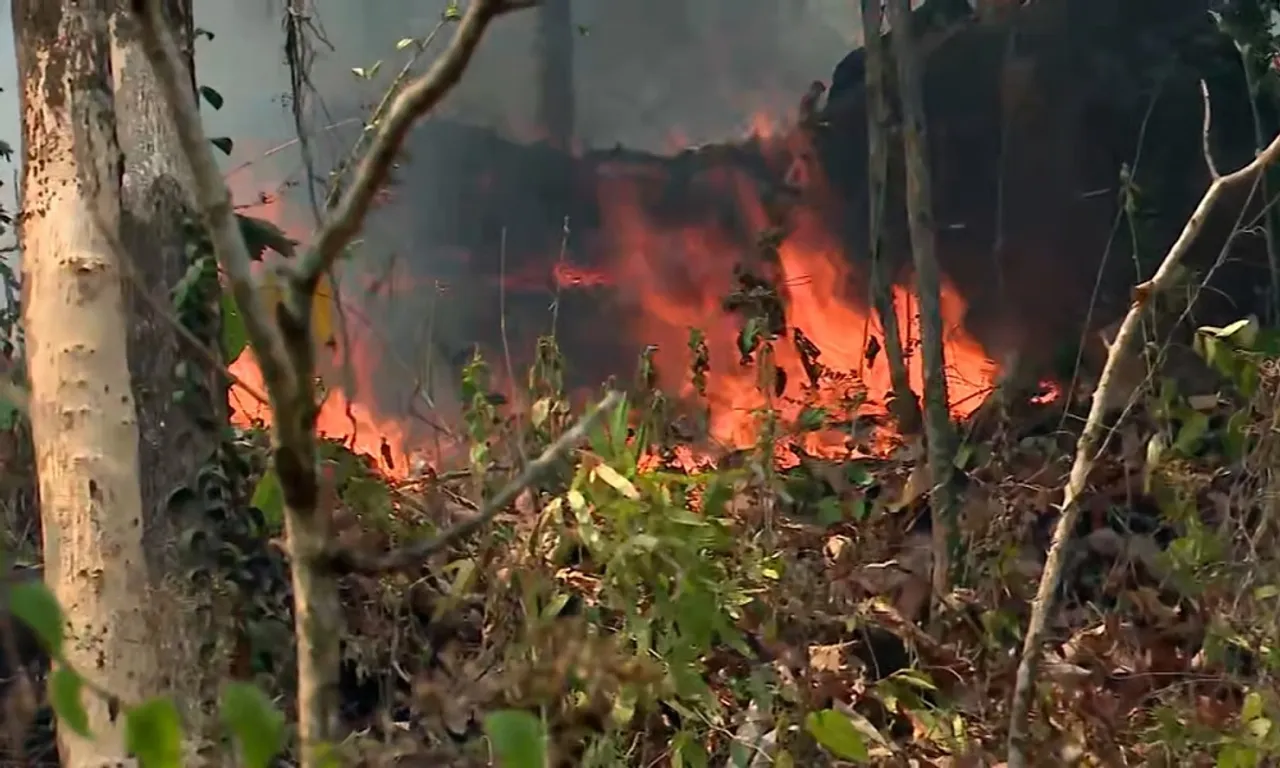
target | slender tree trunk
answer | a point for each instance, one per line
(554, 56)
(906, 409)
(937, 416)
(83, 415)
(178, 439)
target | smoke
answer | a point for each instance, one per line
(651, 75)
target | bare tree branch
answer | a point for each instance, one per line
(418, 96)
(938, 430)
(1090, 444)
(346, 561)
(284, 346)
(213, 197)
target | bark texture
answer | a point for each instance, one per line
(177, 440)
(937, 416)
(905, 407)
(83, 414)
(554, 56)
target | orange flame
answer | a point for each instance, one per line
(674, 278)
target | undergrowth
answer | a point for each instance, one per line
(748, 615)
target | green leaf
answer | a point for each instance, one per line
(830, 511)
(404, 42)
(213, 97)
(1193, 428)
(234, 336)
(224, 144)
(687, 752)
(260, 234)
(33, 604)
(811, 419)
(517, 738)
(1235, 755)
(153, 733)
(1252, 708)
(837, 735)
(65, 689)
(254, 722)
(268, 497)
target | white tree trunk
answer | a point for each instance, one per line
(84, 421)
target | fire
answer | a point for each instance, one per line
(680, 277)
(674, 278)
(342, 416)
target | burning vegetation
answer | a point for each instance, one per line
(741, 557)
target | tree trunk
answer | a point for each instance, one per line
(937, 416)
(905, 408)
(83, 415)
(554, 57)
(177, 439)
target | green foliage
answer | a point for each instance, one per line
(676, 575)
(234, 337)
(836, 733)
(211, 96)
(256, 725)
(66, 691)
(33, 604)
(153, 733)
(518, 739)
(261, 235)
(268, 498)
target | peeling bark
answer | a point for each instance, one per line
(157, 199)
(83, 413)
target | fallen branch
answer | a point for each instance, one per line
(1090, 444)
(282, 342)
(347, 561)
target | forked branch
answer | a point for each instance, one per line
(1090, 444)
(283, 344)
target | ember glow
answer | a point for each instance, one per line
(672, 278)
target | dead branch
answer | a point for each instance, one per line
(422, 94)
(346, 561)
(1090, 443)
(937, 415)
(906, 408)
(283, 344)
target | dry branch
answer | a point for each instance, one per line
(1090, 443)
(937, 415)
(283, 344)
(347, 561)
(905, 409)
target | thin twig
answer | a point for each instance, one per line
(1206, 131)
(506, 345)
(1090, 444)
(346, 561)
(419, 96)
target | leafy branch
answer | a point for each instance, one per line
(282, 340)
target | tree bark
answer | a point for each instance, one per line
(554, 57)
(906, 409)
(937, 416)
(178, 439)
(83, 414)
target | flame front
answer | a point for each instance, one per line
(670, 278)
